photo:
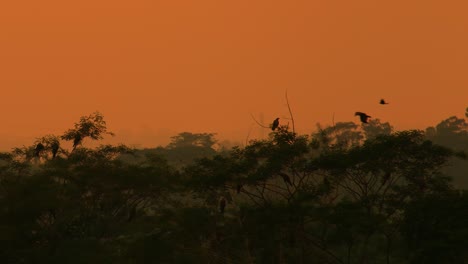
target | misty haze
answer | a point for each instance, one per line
(234, 132)
(345, 193)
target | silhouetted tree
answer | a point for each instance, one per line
(184, 139)
(376, 128)
(341, 135)
(451, 132)
(92, 126)
(51, 145)
(347, 194)
(38, 149)
(435, 228)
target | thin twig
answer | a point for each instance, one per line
(258, 122)
(290, 112)
(248, 135)
(333, 120)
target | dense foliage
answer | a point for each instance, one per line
(345, 194)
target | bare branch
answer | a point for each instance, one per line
(290, 112)
(248, 135)
(258, 122)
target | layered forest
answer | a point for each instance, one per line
(346, 193)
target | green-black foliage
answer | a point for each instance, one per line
(183, 149)
(435, 229)
(453, 133)
(80, 207)
(348, 134)
(187, 147)
(346, 194)
(50, 143)
(92, 126)
(342, 204)
(187, 139)
(90, 197)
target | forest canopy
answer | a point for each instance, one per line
(347, 193)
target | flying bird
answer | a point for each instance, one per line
(362, 116)
(382, 102)
(275, 124)
(38, 149)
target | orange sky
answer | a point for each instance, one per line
(156, 68)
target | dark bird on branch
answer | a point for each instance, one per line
(222, 205)
(55, 147)
(38, 149)
(286, 178)
(77, 141)
(386, 177)
(382, 102)
(131, 213)
(238, 188)
(362, 116)
(326, 183)
(275, 124)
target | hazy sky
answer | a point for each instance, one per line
(156, 68)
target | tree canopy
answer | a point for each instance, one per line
(346, 193)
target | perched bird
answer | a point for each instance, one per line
(386, 177)
(362, 116)
(38, 149)
(131, 213)
(382, 102)
(222, 205)
(286, 178)
(55, 147)
(77, 140)
(326, 183)
(239, 188)
(275, 124)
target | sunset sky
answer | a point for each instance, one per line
(156, 68)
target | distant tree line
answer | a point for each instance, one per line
(347, 193)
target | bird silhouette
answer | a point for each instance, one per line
(286, 178)
(239, 188)
(55, 147)
(131, 213)
(77, 140)
(382, 102)
(38, 149)
(362, 116)
(222, 205)
(275, 124)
